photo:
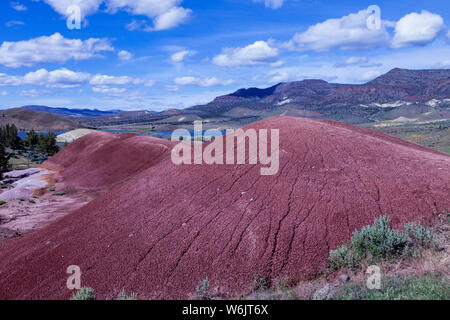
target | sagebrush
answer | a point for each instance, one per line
(380, 242)
(84, 294)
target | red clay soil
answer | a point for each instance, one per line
(101, 159)
(169, 227)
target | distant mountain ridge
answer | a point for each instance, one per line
(399, 95)
(25, 119)
(345, 102)
(410, 78)
(407, 85)
(75, 113)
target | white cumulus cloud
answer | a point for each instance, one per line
(278, 76)
(30, 93)
(349, 32)
(109, 90)
(202, 82)
(124, 55)
(172, 88)
(105, 80)
(165, 14)
(7, 80)
(417, 29)
(14, 23)
(181, 55)
(253, 54)
(18, 6)
(362, 62)
(352, 61)
(87, 7)
(54, 48)
(101, 79)
(171, 19)
(61, 78)
(273, 4)
(65, 78)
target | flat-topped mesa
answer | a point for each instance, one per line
(410, 78)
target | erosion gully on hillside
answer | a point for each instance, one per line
(161, 229)
(38, 196)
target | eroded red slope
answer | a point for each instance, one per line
(170, 227)
(101, 159)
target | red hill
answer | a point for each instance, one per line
(168, 227)
(101, 159)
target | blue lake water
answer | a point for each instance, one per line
(165, 134)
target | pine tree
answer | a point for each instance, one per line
(32, 139)
(4, 159)
(9, 137)
(47, 143)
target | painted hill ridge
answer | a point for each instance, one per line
(165, 228)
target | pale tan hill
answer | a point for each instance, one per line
(73, 135)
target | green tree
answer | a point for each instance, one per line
(4, 159)
(9, 137)
(32, 139)
(47, 143)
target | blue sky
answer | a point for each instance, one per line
(154, 54)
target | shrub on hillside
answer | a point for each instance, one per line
(123, 296)
(422, 237)
(203, 292)
(344, 256)
(380, 242)
(259, 283)
(84, 294)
